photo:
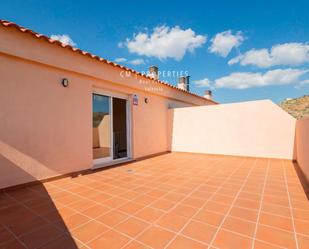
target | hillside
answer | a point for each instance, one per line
(298, 108)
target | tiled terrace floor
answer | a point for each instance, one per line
(174, 201)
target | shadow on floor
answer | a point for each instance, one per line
(302, 179)
(29, 218)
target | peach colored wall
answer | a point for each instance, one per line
(302, 145)
(46, 129)
(43, 122)
(256, 128)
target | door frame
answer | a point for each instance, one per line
(102, 162)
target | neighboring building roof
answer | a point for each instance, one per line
(85, 53)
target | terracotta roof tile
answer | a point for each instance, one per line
(85, 53)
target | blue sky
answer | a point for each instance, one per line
(267, 40)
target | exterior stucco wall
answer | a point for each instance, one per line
(46, 129)
(256, 128)
(302, 145)
(42, 122)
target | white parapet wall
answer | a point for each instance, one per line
(255, 128)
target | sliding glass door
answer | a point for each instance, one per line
(120, 146)
(110, 128)
(101, 128)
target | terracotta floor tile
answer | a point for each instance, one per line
(223, 199)
(101, 197)
(131, 227)
(81, 205)
(96, 211)
(199, 231)
(301, 214)
(149, 214)
(115, 202)
(40, 236)
(15, 213)
(58, 215)
(110, 240)
(228, 192)
(282, 201)
(142, 189)
(216, 207)
(209, 217)
(112, 218)
(156, 193)
(239, 226)
(300, 204)
(275, 236)
(130, 195)
(194, 202)
(275, 190)
(302, 227)
(131, 207)
(71, 222)
(5, 235)
(298, 197)
(242, 213)
(22, 195)
(181, 242)
(163, 204)
(116, 191)
(89, 231)
(78, 189)
(249, 196)
(135, 245)
(63, 242)
(303, 242)
(277, 210)
(175, 193)
(57, 194)
(263, 245)
(226, 239)
(172, 221)
(184, 210)
(38, 202)
(205, 195)
(6, 201)
(145, 199)
(276, 221)
(155, 237)
(174, 196)
(244, 203)
(13, 244)
(185, 191)
(66, 200)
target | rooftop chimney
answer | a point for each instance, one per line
(208, 94)
(153, 72)
(183, 83)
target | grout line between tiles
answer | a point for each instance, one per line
(291, 209)
(129, 216)
(19, 241)
(199, 209)
(232, 204)
(155, 179)
(261, 204)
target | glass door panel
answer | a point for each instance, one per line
(120, 128)
(101, 127)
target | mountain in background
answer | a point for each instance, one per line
(298, 108)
